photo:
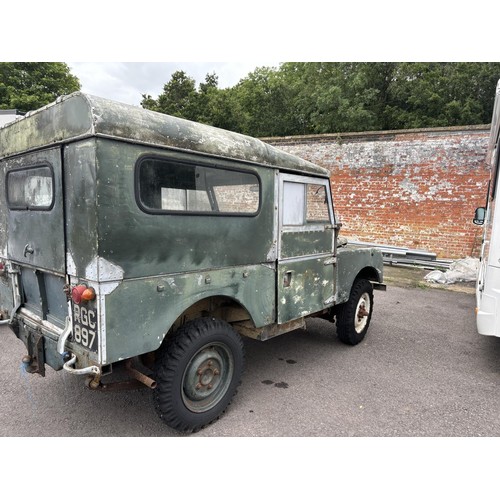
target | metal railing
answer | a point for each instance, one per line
(406, 256)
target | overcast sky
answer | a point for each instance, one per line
(126, 82)
(262, 33)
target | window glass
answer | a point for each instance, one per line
(30, 188)
(170, 186)
(238, 198)
(317, 204)
(304, 204)
(184, 200)
(293, 203)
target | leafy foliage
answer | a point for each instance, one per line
(327, 97)
(30, 85)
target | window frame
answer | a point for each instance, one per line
(307, 225)
(29, 208)
(192, 163)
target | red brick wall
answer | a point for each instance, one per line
(411, 188)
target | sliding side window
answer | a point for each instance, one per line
(168, 186)
(305, 204)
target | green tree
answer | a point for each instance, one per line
(328, 97)
(265, 103)
(207, 104)
(30, 85)
(178, 97)
(441, 94)
(211, 105)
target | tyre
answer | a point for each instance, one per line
(197, 371)
(353, 317)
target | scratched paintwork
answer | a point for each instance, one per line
(309, 286)
(6, 300)
(298, 244)
(146, 245)
(3, 213)
(141, 312)
(353, 261)
(42, 230)
(80, 179)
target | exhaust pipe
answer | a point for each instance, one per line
(141, 377)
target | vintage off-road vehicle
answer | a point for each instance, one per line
(135, 238)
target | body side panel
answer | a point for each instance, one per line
(145, 244)
(350, 262)
(140, 312)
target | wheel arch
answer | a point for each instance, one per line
(220, 306)
(354, 264)
(369, 273)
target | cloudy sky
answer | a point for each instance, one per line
(126, 82)
(262, 33)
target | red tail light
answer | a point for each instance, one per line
(81, 292)
(88, 294)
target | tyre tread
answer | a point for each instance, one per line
(345, 316)
(168, 358)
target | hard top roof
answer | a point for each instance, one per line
(80, 115)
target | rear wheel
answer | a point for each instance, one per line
(198, 371)
(353, 317)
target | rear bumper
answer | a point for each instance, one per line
(46, 344)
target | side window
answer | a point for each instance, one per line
(317, 204)
(30, 188)
(304, 204)
(176, 187)
(294, 196)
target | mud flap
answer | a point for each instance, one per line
(35, 360)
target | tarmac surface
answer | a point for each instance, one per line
(422, 370)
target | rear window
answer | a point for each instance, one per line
(166, 186)
(30, 188)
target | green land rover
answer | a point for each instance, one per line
(133, 238)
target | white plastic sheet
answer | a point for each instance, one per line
(459, 271)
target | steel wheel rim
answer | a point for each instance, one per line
(207, 377)
(362, 312)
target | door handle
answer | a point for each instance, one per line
(28, 249)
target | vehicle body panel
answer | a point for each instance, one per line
(353, 262)
(159, 301)
(28, 229)
(488, 277)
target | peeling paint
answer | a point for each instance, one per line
(70, 264)
(101, 270)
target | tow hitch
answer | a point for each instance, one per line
(70, 358)
(94, 372)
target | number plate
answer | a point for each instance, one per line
(85, 326)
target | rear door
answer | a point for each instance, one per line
(306, 247)
(35, 219)
(35, 210)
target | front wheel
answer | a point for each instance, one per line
(198, 371)
(353, 317)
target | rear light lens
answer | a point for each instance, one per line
(80, 293)
(88, 294)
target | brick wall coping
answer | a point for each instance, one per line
(382, 135)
